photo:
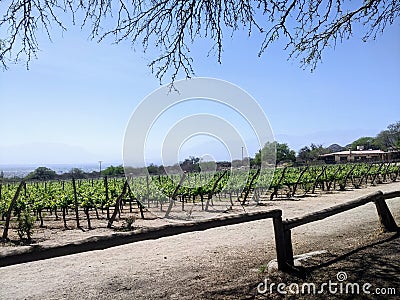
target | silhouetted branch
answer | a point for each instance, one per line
(172, 26)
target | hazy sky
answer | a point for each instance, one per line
(75, 101)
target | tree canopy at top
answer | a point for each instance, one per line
(171, 26)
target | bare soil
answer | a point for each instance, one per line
(220, 263)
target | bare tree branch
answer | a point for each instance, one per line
(172, 26)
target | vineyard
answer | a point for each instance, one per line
(70, 203)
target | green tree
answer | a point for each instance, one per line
(278, 152)
(42, 173)
(304, 154)
(76, 173)
(114, 171)
(312, 153)
(390, 138)
(152, 169)
(191, 164)
(155, 170)
(367, 142)
(306, 27)
(284, 153)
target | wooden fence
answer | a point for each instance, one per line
(282, 229)
(38, 252)
(283, 237)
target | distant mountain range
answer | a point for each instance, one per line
(333, 138)
(10, 171)
(57, 153)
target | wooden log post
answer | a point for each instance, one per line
(288, 248)
(10, 208)
(279, 242)
(275, 192)
(317, 179)
(342, 185)
(107, 197)
(283, 244)
(386, 219)
(251, 183)
(117, 205)
(365, 175)
(86, 211)
(329, 186)
(76, 204)
(293, 192)
(64, 219)
(376, 174)
(133, 198)
(148, 191)
(173, 196)
(212, 191)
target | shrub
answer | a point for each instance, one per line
(25, 225)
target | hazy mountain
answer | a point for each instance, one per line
(326, 138)
(45, 153)
(335, 148)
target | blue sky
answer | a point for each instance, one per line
(73, 104)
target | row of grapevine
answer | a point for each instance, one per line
(330, 177)
(61, 198)
(99, 197)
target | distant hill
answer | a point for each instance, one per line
(39, 153)
(324, 137)
(335, 148)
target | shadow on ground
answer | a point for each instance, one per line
(374, 266)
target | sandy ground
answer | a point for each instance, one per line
(220, 263)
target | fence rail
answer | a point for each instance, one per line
(390, 195)
(325, 213)
(282, 229)
(283, 236)
(39, 252)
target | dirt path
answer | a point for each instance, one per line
(220, 263)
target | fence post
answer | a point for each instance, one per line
(288, 247)
(283, 242)
(388, 223)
